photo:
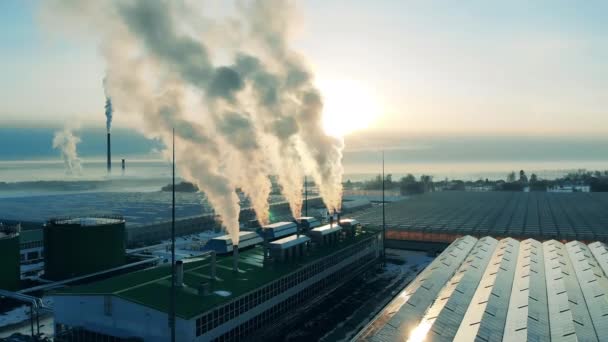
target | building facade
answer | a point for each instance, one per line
(110, 316)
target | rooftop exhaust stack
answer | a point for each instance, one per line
(212, 265)
(235, 258)
(179, 273)
(109, 154)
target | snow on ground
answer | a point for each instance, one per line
(19, 314)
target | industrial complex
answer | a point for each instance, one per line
(502, 290)
(507, 266)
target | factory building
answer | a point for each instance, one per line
(502, 290)
(31, 245)
(79, 246)
(10, 276)
(214, 302)
(442, 217)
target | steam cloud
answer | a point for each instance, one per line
(243, 104)
(66, 142)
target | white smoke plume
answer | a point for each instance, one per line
(65, 141)
(254, 114)
(108, 107)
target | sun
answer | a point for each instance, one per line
(348, 106)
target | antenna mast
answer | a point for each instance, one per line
(305, 196)
(383, 215)
(172, 308)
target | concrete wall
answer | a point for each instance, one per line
(125, 319)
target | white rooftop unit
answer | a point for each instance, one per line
(348, 222)
(289, 241)
(325, 230)
(278, 230)
(289, 248)
(308, 222)
(223, 244)
(326, 234)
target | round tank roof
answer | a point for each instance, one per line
(89, 221)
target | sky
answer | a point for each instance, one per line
(530, 68)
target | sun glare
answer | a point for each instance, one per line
(348, 106)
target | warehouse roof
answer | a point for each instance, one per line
(538, 215)
(150, 287)
(502, 290)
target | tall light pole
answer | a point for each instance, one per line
(172, 306)
(305, 196)
(383, 216)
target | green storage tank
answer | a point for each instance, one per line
(85, 245)
(10, 273)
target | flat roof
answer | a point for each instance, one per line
(538, 215)
(90, 221)
(348, 221)
(488, 289)
(280, 225)
(307, 218)
(151, 287)
(242, 234)
(289, 241)
(326, 229)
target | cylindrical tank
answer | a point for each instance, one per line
(9, 260)
(79, 246)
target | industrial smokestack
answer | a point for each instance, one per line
(235, 258)
(109, 154)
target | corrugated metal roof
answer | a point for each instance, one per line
(503, 291)
(421, 293)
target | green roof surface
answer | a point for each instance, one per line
(30, 235)
(151, 287)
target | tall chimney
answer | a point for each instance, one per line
(179, 273)
(235, 258)
(109, 154)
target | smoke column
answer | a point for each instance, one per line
(108, 107)
(254, 114)
(65, 141)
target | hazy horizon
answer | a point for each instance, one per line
(515, 68)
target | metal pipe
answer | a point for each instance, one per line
(109, 154)
(235, 258)
(213, 266)
(32, 319)
(179, 273)
(305, 196)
